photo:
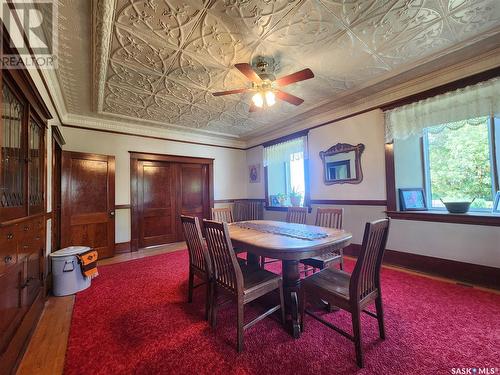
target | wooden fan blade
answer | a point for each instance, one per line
(292, 99)
(254, 108)
(295, 77)
(247, 70)
(229, 92)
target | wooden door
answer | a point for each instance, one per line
(163, 187)
(193, 190)
(157, 203)
(88, 200)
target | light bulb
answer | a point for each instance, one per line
(258, 100)
(270, 98)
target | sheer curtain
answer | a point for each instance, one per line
(471, 102)
(281, 152)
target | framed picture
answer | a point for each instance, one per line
(412, 199)
(274, 201)
(496, 204)
(254, 173)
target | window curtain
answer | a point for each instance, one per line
(471, 102)
(281, 152)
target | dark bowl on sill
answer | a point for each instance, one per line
(457, 207)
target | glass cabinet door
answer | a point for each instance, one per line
(35, 166)
(12, 157)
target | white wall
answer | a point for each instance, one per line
(230, 174)
(465, 243)
(408, 163)
(367, 128)
(255, 156)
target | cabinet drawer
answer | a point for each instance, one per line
(26, 238)
(11, 308)
(8, 246)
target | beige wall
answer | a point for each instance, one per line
(408, 163)
(367, 128)
(255, 156)
(230, 177)
(466, 243)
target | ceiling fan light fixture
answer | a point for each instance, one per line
(270, 98)
(258, 100)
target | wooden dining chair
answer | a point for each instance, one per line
(240, 211)
(353, 292)
(224, 214)
(297, 215)
(200, 264)
(242, 284)
(248, 210)
(330, 218)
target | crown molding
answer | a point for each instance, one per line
(132, 129)
(102, 26)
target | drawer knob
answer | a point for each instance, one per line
(10, 236)
(27, 282)
(8, 259)
(26, 228)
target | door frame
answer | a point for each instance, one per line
(57, 143)
(135, 158)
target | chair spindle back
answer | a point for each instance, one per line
(255, 210)
(248, 210)
(366, 275)
(224, 214)
(198, 252)
(240, 211)
(329, 217)
(227, 271)
(296, 215)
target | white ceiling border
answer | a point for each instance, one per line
(102, 18)
(132, 129)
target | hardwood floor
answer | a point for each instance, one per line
(46, 352)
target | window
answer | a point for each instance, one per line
(286, 172)
(460, 163)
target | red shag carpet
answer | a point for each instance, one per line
(135, 320)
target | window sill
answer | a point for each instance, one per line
(282, 208)
(471, 218)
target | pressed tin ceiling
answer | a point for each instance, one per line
(158, 61)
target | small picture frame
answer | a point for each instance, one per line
(412, 199)
(496, 204)
(254, 173)
(274, 201)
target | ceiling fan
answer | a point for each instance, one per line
(265, 85)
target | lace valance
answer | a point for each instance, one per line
(471, 102)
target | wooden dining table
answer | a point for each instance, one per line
(289, 243)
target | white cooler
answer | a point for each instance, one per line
(66, 272)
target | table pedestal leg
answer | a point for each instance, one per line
(253, 260)
(291, 286)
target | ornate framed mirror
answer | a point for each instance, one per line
(342, 164)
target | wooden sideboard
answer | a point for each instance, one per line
(22, 211)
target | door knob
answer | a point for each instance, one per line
(111, 213)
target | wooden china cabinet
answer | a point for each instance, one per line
(22, 212)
